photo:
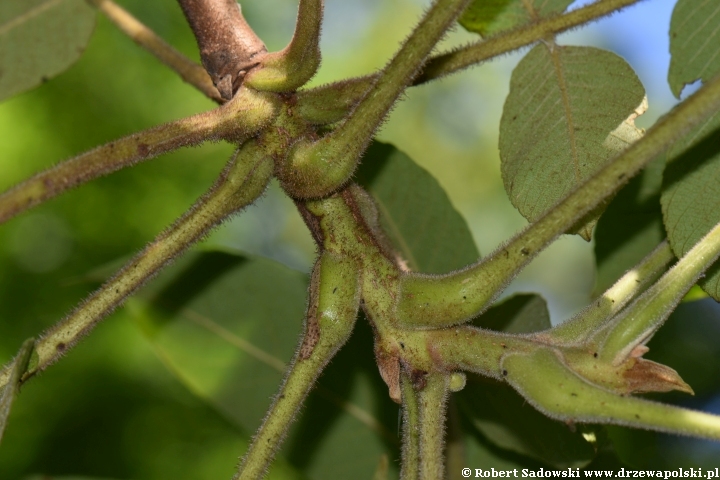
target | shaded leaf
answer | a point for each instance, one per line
(521, 313)
(630, 228)
(569, 111)
(694, 37)
(691, 193)
(415, 212)
(228, 325)
(487, 17)
(8, 394)
(40, 39)
(504, 418)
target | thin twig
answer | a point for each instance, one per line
(141, 34)
(239, 185)
(233, 121)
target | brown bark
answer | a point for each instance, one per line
(229, 48)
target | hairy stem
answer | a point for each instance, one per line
(333, 307)
(229, 48)
(508, 41)
(442, 300)
(188, 70)
(292, 67)
(410, 469)
(320, 167)
(637, 323)
(342, 96)
(241, 183)
(432, 406)
(578, 328)
(233, 121)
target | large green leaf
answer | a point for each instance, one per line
(691, 193)
(694, 37)
(569, 111)
(227, 326)
(630, 228)
(487, 17)
(40, 39)
(415, 212)
(501, 416)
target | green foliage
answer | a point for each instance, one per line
(489, 17)
(691, 193)
(564, 118)
(189, 367)
(53, 34)
(693, 35)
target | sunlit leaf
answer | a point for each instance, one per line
(415, 212)
(40, 39)
(569, 111)
(502, 417)
(630, 228)
(691, 193)
(491, 16)
(227, 326)
(694, 37)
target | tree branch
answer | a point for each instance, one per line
(234, 121)
(229, 48)
(510, 40)
(242, 181)
(188, 70)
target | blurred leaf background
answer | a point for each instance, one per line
(111, 409)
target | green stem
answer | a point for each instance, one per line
(547, 384)
(636, 324)
(239, 185)
(510, 40)
(292, 67)
(577, 329)
(443, 300)
(189, 71)
(18, 368)
(432, 406)
(334, 303)
(234, 121)
(320, 167)
(342, 96)
(410, 469)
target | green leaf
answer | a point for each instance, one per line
(501, 416)
(8, 394)
(691, 193)
(228, 325)
(40, 39)
(569, 111)
(694, 36)
(415, 212)
(487, 17)
(630, 228)
(521, 313)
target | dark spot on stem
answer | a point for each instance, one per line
(402, 345)
(637, 416)
(595, 355)
(525, 251)
(464, 297)
(143, 149)
(573, 394)
(334, 289)
(504, 373)
(60, 347)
